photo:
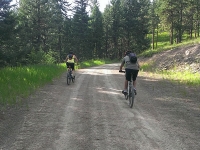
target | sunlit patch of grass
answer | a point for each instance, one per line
(19, 82)
(91, 63)
(185, 77)
(146, 66)
(99, 62)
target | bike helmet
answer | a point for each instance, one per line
(71, 52)
(127, 52)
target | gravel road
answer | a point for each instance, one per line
(92, 114)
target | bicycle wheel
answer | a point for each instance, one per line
(131, 99)
(126, 96)
(68, 79)
(73, 79)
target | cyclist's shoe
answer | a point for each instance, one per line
(124, 92)
(135, 91)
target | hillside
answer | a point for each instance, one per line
(183, 58)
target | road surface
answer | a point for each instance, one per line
(92, 114)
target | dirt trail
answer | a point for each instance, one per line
(93, 114)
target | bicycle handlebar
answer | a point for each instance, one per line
(122, 71)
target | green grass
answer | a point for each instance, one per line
(147, 67)
(19, 82)
(183, 77)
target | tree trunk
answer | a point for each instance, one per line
(198, 29)
(157, 37)
(172, 34)
(153, 36)
(191, 33)
(59, 43)
(180, 29)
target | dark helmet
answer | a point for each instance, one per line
(127, 52)
(71, 52)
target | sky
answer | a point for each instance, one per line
(102, 3)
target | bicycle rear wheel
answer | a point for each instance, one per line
(68, 79)
(131, 99)
(73, 79)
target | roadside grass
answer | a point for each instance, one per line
(182, 77)
(17, 83)
(185, 77)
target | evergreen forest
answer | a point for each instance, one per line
(44, 31)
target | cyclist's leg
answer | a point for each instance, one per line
(125, 85)
(127, 78)
(73, 69)
(134, 76)
(68, 65)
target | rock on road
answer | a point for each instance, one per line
(93, 114)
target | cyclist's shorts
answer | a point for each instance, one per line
(70, 64)
(132, 72)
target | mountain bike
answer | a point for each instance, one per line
(70, 78)
(130, 93)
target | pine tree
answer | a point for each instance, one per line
(4, 19)
(97, 30)
(107, 23)
(34, 23)
(135, 24)
(80, 30)
(7, 33)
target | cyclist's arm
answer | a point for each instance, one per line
(66, 59)
(138, 65)
(76, 59)
(122, 64)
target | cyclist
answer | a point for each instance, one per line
(131, 69)
(70, 61)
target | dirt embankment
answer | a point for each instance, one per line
(183, 58)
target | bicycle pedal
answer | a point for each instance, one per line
(125, 93)
(135, 92)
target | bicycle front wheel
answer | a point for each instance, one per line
(131, 99)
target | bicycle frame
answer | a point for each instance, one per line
(69, 76)
(69, 71)
(131, 94)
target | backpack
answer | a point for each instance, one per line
(132, 57)
(70, 56)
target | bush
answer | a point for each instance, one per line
(40, 57)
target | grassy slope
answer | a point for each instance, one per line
(163, 44)
(185, 77)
